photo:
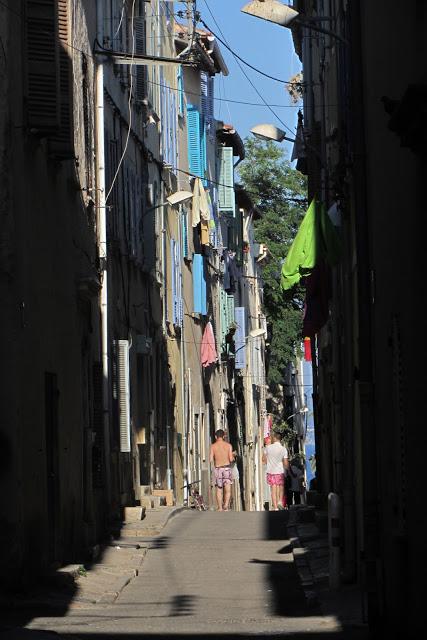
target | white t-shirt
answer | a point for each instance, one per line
(275, 453)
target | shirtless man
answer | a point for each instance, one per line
(221, 455)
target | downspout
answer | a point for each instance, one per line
(184, 414)
(102, 242)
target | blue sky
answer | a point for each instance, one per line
(267, 47)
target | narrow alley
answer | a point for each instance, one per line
(223, 575)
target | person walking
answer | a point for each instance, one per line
(275, 456)
(296, 483)
(221, 456)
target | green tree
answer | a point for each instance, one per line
(279, 192)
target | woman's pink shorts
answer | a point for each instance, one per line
(275, 479)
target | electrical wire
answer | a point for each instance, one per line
(221, 184)
(251, 104)
(236, 55)
(121, 18)
(248, 78)
(129, 105)
(307, 145)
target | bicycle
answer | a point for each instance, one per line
(195, 499)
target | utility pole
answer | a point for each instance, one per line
(190, 23)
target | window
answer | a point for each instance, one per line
(176, 282)
(168, 101)
(226, 201)
(196, 136)
(48, 77)
(181, 100)
(199, 284)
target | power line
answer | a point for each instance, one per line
(247, 63)
(221, 184)
(309, 146)
(247, 77)
(200, 95)
(129, 106)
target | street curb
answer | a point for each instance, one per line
(174, 513)
(300, 553)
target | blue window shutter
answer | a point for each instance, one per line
(239, 338)
(204, 89)
(178, 286)
(203, 153)
(180, 91)
(210, 113)
(174, 130)
(184, 233)
(194, 138)
(173, 280)
(199, 285)
(207, 93)
(226, 180)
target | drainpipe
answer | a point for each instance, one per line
(184, 414)
(102, 241)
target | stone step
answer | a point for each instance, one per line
(153, 501)
(134, 514)
(167, 494)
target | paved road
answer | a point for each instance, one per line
(216, 574)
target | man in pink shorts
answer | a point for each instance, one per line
(275, 456)
(221, 456)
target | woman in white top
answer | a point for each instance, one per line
(275, 456)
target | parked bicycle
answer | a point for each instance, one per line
(194, 498)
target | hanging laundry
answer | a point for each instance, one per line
(204, 232)
(226, 280)
(233, 272)
(208, 353)
(201, 209)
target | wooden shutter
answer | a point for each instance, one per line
(184, 233)
(223, 310)
(173, 280)
(239, 338)
(149, 236)
(140, 48)
(62, 143)
(195, 136)
(206, 92)
(98, 461)
(178, 286)
(230, 309)
(238, 236)
(180, 82)
(43, 108)
(199, 284)
(123, 394)
(226, 201)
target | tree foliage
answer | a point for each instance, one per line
(279, 192)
